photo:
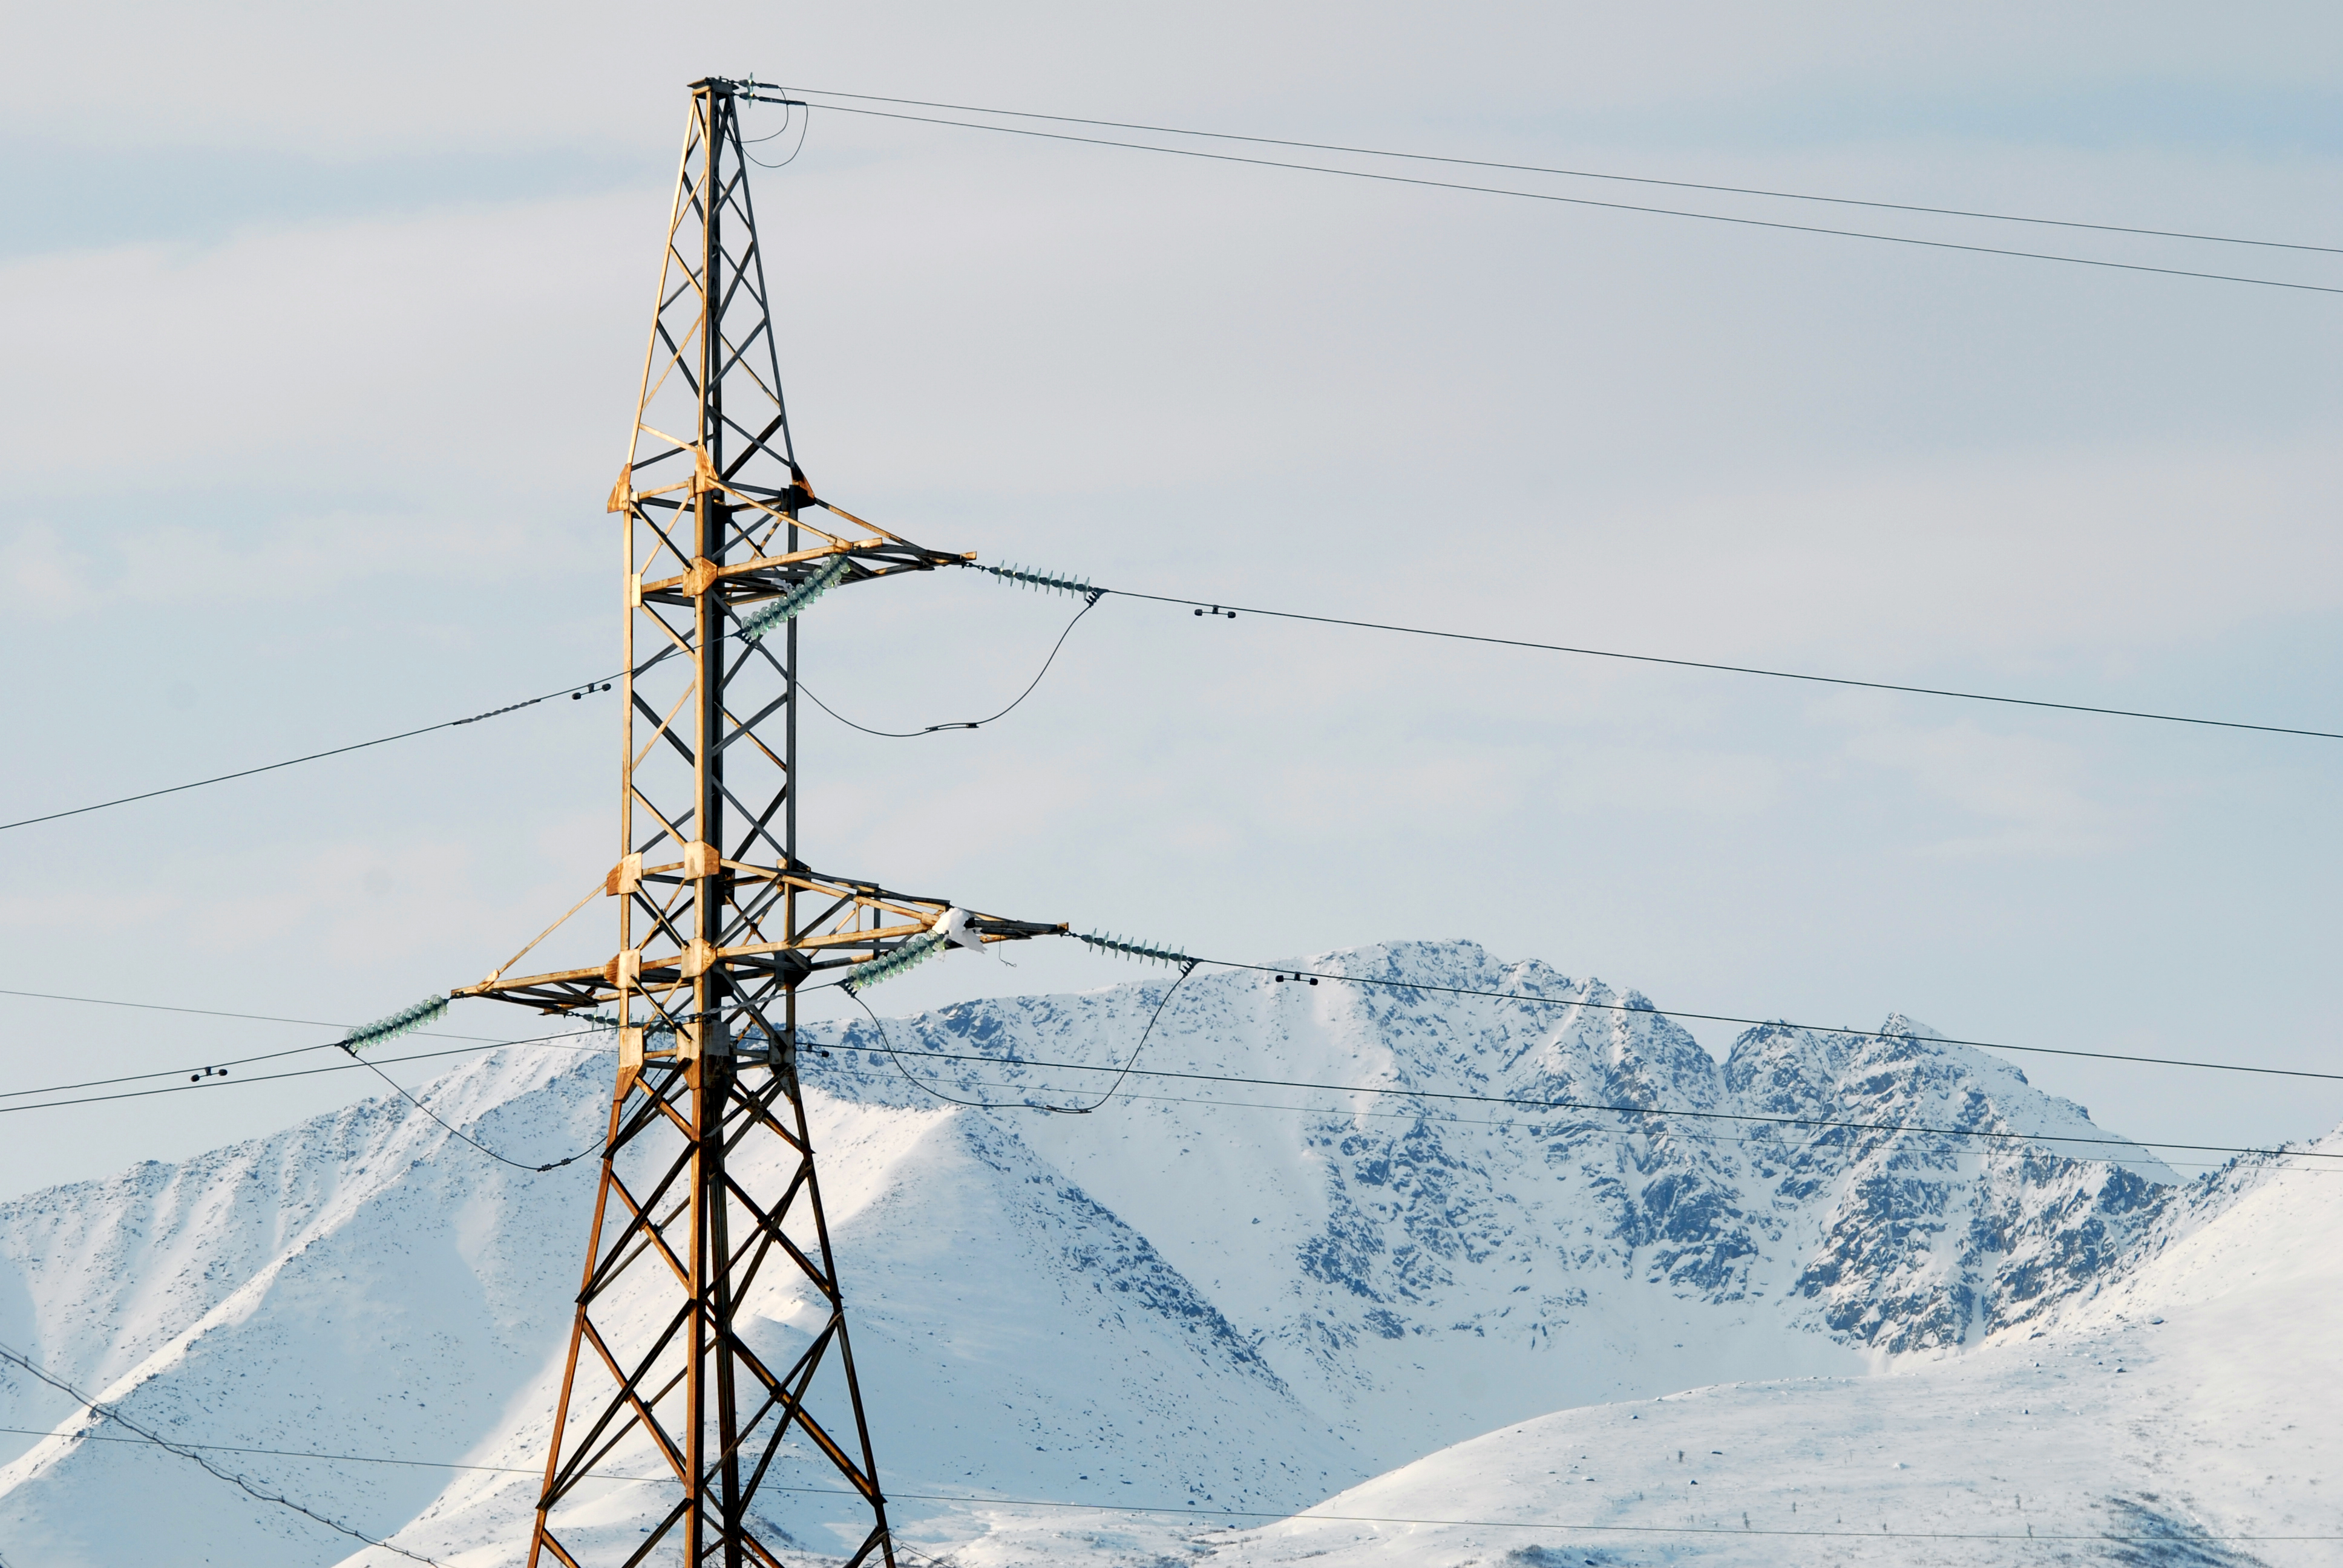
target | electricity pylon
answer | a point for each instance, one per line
(707, 1175)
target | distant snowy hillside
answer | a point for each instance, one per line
(1217, 1297)
(2185, 1415)
(1455, 1261)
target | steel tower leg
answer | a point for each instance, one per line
(709, 1216)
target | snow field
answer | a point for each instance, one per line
(1121, 1338)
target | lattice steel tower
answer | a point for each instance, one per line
(707, 1183)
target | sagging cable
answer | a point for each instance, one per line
(754, 626)
(1131, 950)
(1115, 1087)
(405, 1020)
(1077, 586)
(414, 1017)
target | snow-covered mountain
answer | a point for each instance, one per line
(1205, 1296)
(1423, 1223)
(2180, 1413)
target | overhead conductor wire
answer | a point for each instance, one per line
(204, 1081)
(1176, 959)
(350, 1045)
(191, 1453)
(601, 684)
(1189, 1511)
(456, 1131)
(1089, 604)
(1578, 173)
(1350, 1113)
(804, 124)
(1131, 1068)
(1314, 976)
(230, 1083)
(408, 1020)
(1655, 1112)
(1223, 608)
(1422, 182)
(886, 1041)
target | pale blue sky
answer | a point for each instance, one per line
(324, 333)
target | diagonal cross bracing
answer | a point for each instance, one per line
(708, 1172)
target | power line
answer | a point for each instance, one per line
(1531, 998)
(1219, 608)
(456, 1131)
(218, 1067)
(219, 1070)
(1350, 1115)
(1201, 605)
(1131, 1068)
(887, 1041)
(1523, 998)
(209, 1070)
(600, 684)
(1579, 174)
(255, 1078)
(1779, 1023)
(1742, 669)
(188, 1452)
(307, 1453)
(1308, 1512)
(1657, 1113)
(1591, 202)
(215, 1013)
(1311, 1515)
(1095, 596)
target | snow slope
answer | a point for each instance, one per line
(1432, 1270)
(1206, 1296)
(2183, 1414)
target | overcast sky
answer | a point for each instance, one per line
(324, 324)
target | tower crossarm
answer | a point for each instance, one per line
(708, 1216)
(843, 923)
(756, 524)
(764, 577)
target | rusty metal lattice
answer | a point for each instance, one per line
(708, 1189)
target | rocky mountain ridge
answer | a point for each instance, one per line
(1208, 1293)
(1897, 1241)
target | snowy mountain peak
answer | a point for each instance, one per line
(1488, 1208)
(1576, 1146)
